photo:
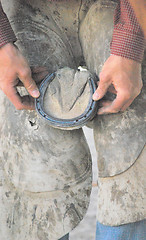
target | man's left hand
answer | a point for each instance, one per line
(121, 76)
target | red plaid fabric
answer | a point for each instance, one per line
(128, 39)
(6, 33)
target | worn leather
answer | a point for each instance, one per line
(122, 197)
(45, 172)
(119, 138)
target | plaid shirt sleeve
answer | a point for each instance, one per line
(6, 33)
(128, 39)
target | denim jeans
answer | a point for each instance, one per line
(66, 237)
(131, 231)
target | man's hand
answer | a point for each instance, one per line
(14, 67)
(121, 76)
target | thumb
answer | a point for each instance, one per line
(25, 77)
(101, 90)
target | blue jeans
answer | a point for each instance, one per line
(66, 237)
(131, 231)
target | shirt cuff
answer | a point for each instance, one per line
(6, 32)
(128, 45)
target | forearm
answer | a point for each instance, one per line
(128, 38)
(139, 7)
(6, 33)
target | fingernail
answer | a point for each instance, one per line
(35, 93)
(95, 96)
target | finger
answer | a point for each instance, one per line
(101, 90)
(110, 89)
(38, 77)
(127, 105)
(19, 102)
(29, 83)
(115, 106)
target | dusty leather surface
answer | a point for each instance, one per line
(123, 139)
(36, 160)
(119, 138)
(45, 173)
(122, 197)
(96, 33)
(48, 29)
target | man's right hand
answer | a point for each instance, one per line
(14, 67)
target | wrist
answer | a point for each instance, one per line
(126, 59)
(9, 51)
(7, 45)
